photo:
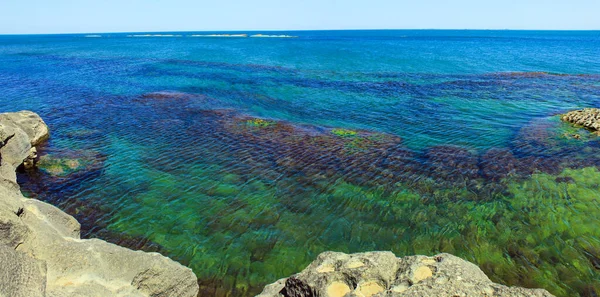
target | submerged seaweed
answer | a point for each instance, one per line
(245, 196)
(282, 193)
(265, 196)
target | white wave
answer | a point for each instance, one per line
(220, 35)
(154, 35)
(93, 36)
(272, 36)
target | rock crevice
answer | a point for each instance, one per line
(41, 252)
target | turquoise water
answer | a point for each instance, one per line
(244, 158)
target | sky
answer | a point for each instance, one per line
(91, 16)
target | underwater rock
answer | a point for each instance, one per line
(380, 274)
(164, 101)
(398, 164)
(311, 151)
(164, 95)
(63, 163)
(536, 138)
(549, 145)
(497, 164)
(452, 163)
(54, 260)
(587, 117)
(533, 74)
(533, 164)
(550, 137)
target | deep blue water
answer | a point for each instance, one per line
(256, 154)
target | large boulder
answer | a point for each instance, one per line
(28, 122)
(379, 274)
(41, 253)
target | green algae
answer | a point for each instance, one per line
(541, 234)
(361, 144)
(260, 123)
(550, 137)
(61, 167)
(240, 231)
(344, 132)
(572, 134)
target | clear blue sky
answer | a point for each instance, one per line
(61, 16)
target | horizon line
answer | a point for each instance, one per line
(301, 30)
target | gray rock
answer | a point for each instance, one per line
(15, 148)
(273, 289)
(62, 223)
(151, 281)
(21, 275)
(380, 274)
(41, 251)
(587, 117)
(29, 122)
(29, 161)
(13, 232)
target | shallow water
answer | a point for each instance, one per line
(246, 157)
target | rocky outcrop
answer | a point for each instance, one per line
(382, 274)
(587, 117)
(41, 253)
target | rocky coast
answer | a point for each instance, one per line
(41, 252)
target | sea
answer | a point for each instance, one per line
(244, 157)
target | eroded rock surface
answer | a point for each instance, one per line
(587, 117)
(382, 274)
(41, 253)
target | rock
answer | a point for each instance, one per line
(382, 274)
(29, 161)
(29, 122)
(13, 231)
(41, 253)
(16, 147)
(587, 117)
(497, 164)
(273, 289)
(21, 275)
(69, 163)
(452, 163)
(63, 223)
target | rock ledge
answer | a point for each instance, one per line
(382, 274)
(41, 253)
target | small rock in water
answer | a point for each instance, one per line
(587, 117)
